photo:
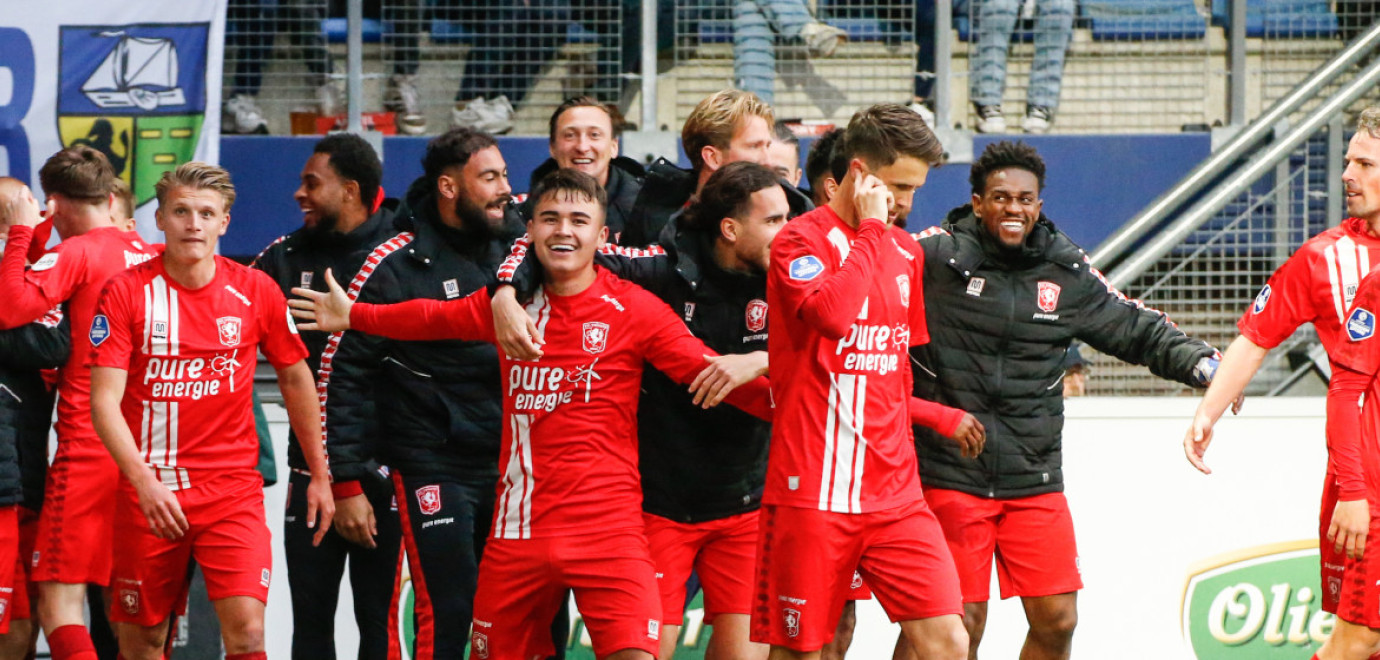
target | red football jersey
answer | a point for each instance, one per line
(1316, 285)
(190, 354)
(74, 273)
(844, 306)
(569, 453)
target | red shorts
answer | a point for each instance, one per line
(857, 589)
(1031, 538)
(805, 564)
(722, 551)
(227, 537)
(1350, 589)
(522, 582)
(76, 526)
(11, 581)
(21, 607)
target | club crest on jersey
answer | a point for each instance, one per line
(1047, 296)
(806, 268)
(229, 329)
(1360, 325)
(129, 601)
(903, 283)
(45, 262)
(792, 617)
(481, 646)
(756, 315)
(976, 285)
(429, 499)
(594, 337)
(100, 329)
(1261, 299)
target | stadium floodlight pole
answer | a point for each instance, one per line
(648, 65)
(1151, 216)
(1242, 179)
(354, 79)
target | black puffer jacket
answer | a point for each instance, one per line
(439, 403)
(664, 193)
(625, 181)
(26, 406)
(301, 258)
(1000, 322)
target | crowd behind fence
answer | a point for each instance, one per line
(1090, 66)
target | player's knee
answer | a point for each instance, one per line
(1056, 625)
(243, 636)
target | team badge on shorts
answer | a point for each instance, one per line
(265, 577)
(903, 282)
(594, 336)
(1360, 325)
(757, 315)
(1261, 299)
(481, 646)
(429, 499)
(129, 601)
(792, 617)
(857, 581)
(1047, 297)
(100, 331)
(229, 329)
(653, 629)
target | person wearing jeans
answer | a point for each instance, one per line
(994, 24)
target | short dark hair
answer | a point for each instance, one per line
(727, 194)
(820, 161)
(353, 159)
(783, 133)
(454, 147)
(79, 173)
(615, 117)
(570, 182)
(887, 131)
(1003, 155)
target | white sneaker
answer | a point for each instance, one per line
(924, 111)
(241, 116)
(822, 39)
(402, 98)
(328, 99)
(990, 119)
(1037, 119)
(492, 117)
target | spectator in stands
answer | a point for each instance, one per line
(730, 125)
(757, 23)
(784, 153)
(584, 136)
(250, 29)
(994, 22)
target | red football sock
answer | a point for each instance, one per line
(71, 643)
(257, 655)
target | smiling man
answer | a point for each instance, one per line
(569, 512)
(1006, 293)
(173, 348)
(584, 136)
(344, 217)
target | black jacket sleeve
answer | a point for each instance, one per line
(1127, 329)
(349, 370)
(43, 344)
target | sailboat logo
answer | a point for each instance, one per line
(137, 72)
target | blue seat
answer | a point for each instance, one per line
(1281, 18)
(337, 30)
(1123, 20)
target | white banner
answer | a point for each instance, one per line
(139, 81)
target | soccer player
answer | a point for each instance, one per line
(1317, 285)
(568, 513)
(74, 535)
(344, 218)
(1006, 293)
(845, 301)
(173, 354)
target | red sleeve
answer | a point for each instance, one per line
(825, 298)
(1344, 431)
(943, 419)
(675, 352)
(470, 318)
(1283, 305)
(278, 338)
(919, 327)
(51, 280)
(112, 329)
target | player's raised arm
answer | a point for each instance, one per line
(468, 318)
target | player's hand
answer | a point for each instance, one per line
(327, 312)
(517, 334)
(320, 508)
(354, 520)
(1196, 442)
(1350, 523)
(970, 436)
(724, 374)
(161, 509)
(871, 199)
(20, 208)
